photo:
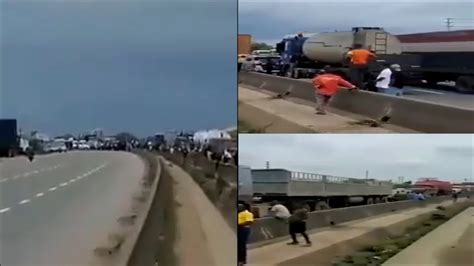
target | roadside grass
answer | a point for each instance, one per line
(374, 255)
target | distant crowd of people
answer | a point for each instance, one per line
(226, 157)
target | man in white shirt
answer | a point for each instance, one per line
(383, 79)
(279, 211)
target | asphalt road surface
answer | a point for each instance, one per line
(57, 209)
(441, 96)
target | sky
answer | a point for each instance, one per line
(128, 65)
(271, 20)
(385, 156)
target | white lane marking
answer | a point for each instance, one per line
(4, 210)
(52, 189)
(63, 184)
(428, 91)
(31, 173)
(24, 201)
(39, 195)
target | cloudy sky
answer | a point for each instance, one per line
(386, 156)
(270, 20)
(136, 65)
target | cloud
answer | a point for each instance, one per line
(271, 20)
(385, 156)
(138, 65)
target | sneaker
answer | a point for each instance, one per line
(320, 113)
(308, 244)
(292, 243)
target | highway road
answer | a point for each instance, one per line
(57, 209)
(441, 96)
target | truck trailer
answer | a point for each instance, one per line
(318, 191)
(445, 56)
(9, 140)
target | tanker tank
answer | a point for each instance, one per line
(331, 47)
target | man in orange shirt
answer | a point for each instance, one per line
(326, 85)
(359, 61)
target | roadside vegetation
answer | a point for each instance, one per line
(377, 254)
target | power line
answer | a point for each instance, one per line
(458, 22)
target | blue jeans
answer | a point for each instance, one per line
(391, 90)
(243, 234)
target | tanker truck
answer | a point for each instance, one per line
(304, 54)
(317, 191)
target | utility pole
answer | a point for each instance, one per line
(366, 174)
(449, 23)
(267, 165)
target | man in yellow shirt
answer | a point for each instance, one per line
(245, 219)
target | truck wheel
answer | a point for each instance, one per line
(321, 205)
(465, 84)
(377, 200)
(370, 201)
(384, 199)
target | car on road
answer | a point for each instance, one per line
(258, 63)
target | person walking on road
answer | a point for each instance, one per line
(359, 61)
(326, 86)
(455, 196)
(245, 220)
(297, 225)
(390, 80)
(398, 79)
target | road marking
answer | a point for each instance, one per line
(63, 184)
(39, 195)
(53, 189)
(30, 173)
(24, 201)
(4, 210)
(427, 91)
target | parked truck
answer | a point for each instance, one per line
(245, 184)
(316, 190)
(430, 57)
(433, 187)
(445, 56)
(303, 55)
(9, 140)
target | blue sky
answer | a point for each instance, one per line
(270, 20)
(139, 66)
(386, 156)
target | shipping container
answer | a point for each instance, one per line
(244, 44)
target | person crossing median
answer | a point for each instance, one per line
(326, 84)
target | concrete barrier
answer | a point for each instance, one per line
(269, 228)
(408, 113)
